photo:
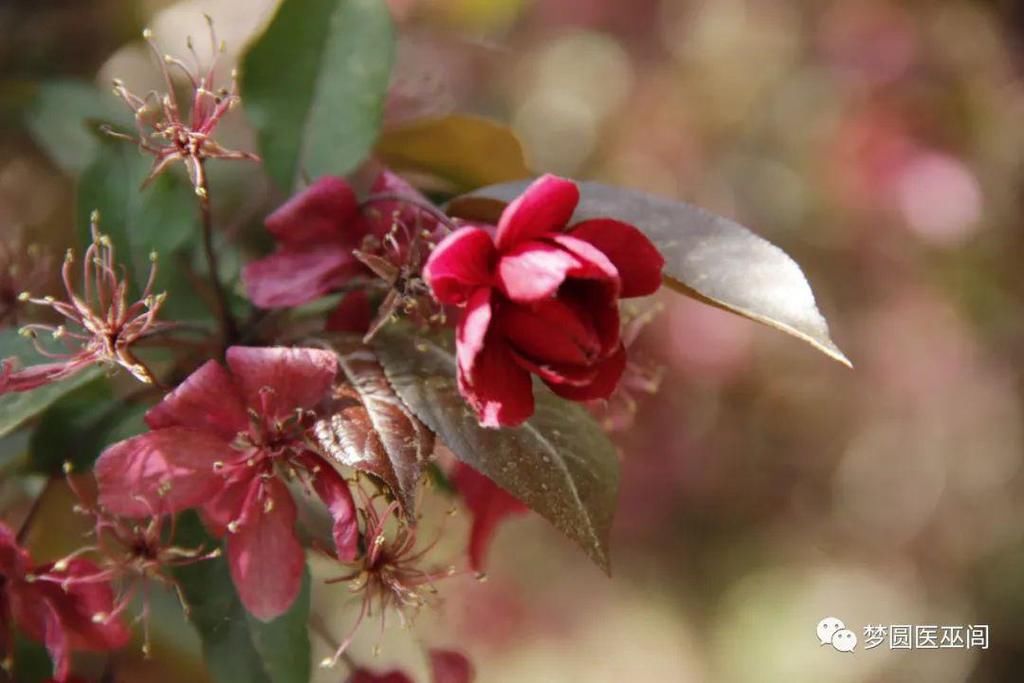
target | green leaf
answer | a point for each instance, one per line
(367, 427)
(18, 408)
(314, 85)
(64, 117)
(163, 218)
(466, 151)
(80, 425)
(707, 257)
(237, 647)
(559, 463)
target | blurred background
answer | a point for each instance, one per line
(764, 487)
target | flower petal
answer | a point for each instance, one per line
(497, 388)
(320, 213)
(488, 503)
(352, 314)
(296, 378)
(533, 270)
(208, 400)
(471, 329)
(334, 492)
(291, 276)
(449, 666)
(78, 605)
(380, 216)
(545, 207)
(594, 265)
(35, 376)
(607, 378)
(460, 264)
(553, 330)
(166, 471)
(265, 557)
(226, 506)
(635, 257)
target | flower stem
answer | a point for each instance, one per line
(228, 325)
(30, 517)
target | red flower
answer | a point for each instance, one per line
(488, 503)
(317, 232)
(64, 618)
(540, 298)
(226, 442)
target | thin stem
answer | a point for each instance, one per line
(229, 327)
(26, 524)
(318, 626)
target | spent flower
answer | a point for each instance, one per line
(168, 134)
(101, 325)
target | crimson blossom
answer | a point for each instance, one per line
(227, 442)
(540, 297)
(63, 617)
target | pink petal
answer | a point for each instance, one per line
(381, 215)
(488, 503)
(471, 329)
(460, 264)
(352, 314)
(545, 207)
(35, 376)
(607, 378)
(277, 380)
(77, 606)
(320, 213)
(497, 388)
(226, 506)
(265, 557)
(55, 640)
(553, 330)
(558, 373)
(635, 257)
(291, 277)
(14, 559)
(207, 400)
(594, 265)
(449, 666)
(334, 492)
(166, 471)
(532, 271)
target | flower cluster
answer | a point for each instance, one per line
(103, 324)
(540, 298)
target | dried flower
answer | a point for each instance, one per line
(103, 324)
(169, 136)
(389, 575)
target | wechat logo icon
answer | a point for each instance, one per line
(832, 631)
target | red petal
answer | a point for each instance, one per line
(559, 373)
(635, 257)
(594, 264)
(609, 372)
(291, 277)
(14, 559)
(334, 492)
(35, 376)
(82, 600)
(380, 216)
(497, 388)
(207, 400)
(532, 271)
(551, 331)
(266, 559)
(471, 329)
(352, 314)
(488, 503)
(166, 471)
(320, 213)
(55, 639)
(226, 506)
(545, 207)
(449, 666)
(297, 378)
(460, 264)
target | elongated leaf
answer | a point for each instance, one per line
(369, 428)
(64, 116)
(466, 151)
(559, 463)
(16, 409)
(314, 85)
(235, 646)
(707, 257)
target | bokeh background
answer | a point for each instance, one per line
(765, 487)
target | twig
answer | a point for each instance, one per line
(229, 327)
